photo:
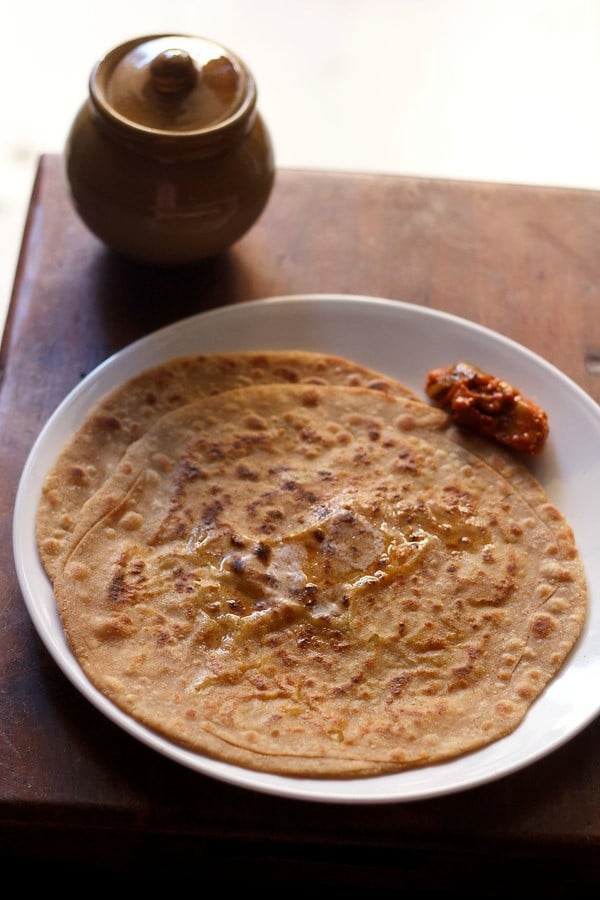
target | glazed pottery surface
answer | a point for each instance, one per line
(168, 161)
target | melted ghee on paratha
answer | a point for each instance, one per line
(129, 410)
(318, 580)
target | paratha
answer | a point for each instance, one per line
(319, 580)
(128, 411)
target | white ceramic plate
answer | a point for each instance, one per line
(405, 341)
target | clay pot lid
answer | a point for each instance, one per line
(172, 85)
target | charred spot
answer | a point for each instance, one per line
(245, 473)
(117, 589)
(191, 472)
(237, 565)
(290, 485)
(379, 386)
(234, 605)
(339, 641)
(267, 528)
(309, 593)
(309, 435)
(181, 580)
(398, 683)
(461, 676)
(406, 461)
(307, 637)
(212, 450)
(138, 572)
(252, 439)
(318, 535)
(287, 374)
(237, 541)
(262, 552)
(76, 475)
(274, 515)
(187, 472)
(211, 512)
(109, 423)
(542, 626)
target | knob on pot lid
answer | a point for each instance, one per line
(172, 85)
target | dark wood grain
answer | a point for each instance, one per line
(77, 794)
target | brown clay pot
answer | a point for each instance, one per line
(168, 161)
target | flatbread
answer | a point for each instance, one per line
(320, 581)
(128, 411)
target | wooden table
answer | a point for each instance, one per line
(79, 797)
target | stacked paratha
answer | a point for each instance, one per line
(131, 409)
(307, 573)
